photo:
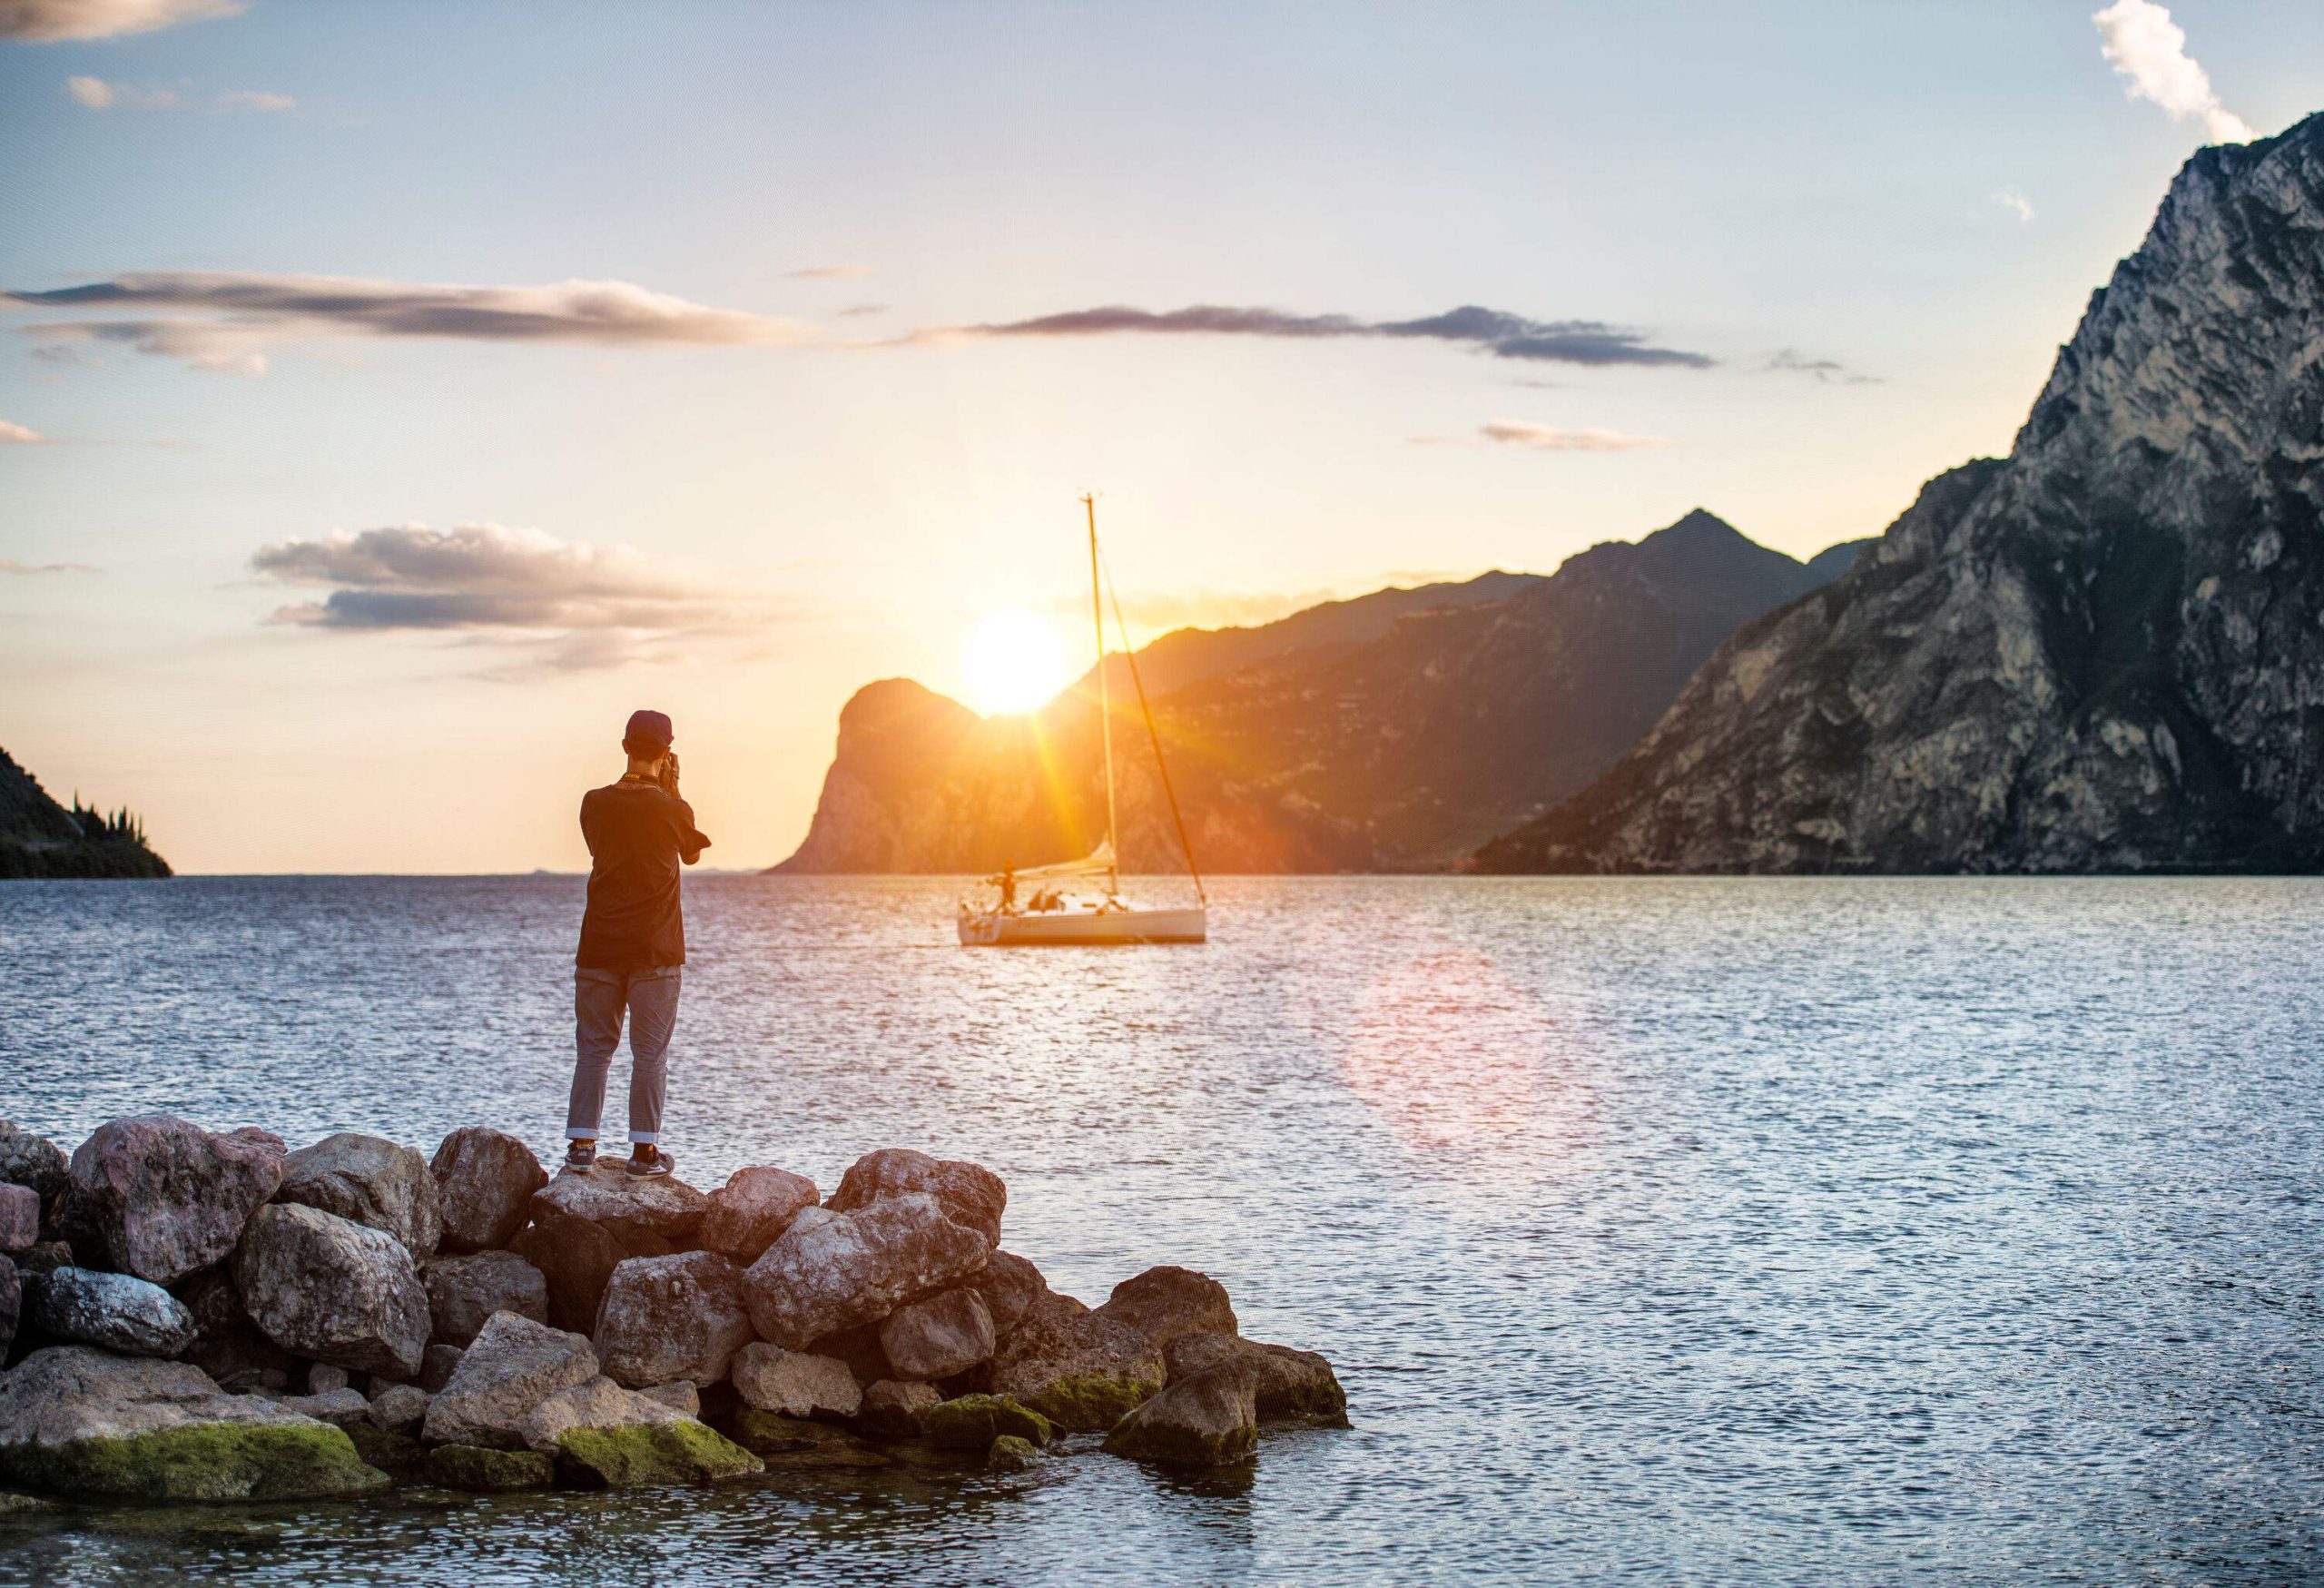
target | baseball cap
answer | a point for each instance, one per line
(652, 727)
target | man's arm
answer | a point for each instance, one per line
(691, 841)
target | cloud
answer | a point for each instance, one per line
(255, 99)
(2139, 41)
(856, 311)
(2015, 202)
(1551, 438)
(831, 272)
(1826, 371)
(94, 92)
(1491, 330)
(46, 21)
(15, 434)
(9, 564)
(567, 604)
(97, 93)
(224, 318)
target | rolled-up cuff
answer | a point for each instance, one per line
(646, 1139)
(574, 1133)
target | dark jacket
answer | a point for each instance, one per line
(638, 835)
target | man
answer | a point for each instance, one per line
(633, 944)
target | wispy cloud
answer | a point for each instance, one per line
(828, 272)
(255, 99)
(2139, 41)
(1491, 330)
(544, 595)
(15, 434)
(857, 311)
(222, 320)
(1553, 438)
(2015, 202)
(46, 21)
(1823, 371)
(9, 564)
(97, 93)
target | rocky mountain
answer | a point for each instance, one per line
(1395, 731)
(40, 838)
(2104, 652)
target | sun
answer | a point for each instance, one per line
(1013, 661)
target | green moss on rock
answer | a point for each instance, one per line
(1085, 1402)
(972, 1422)
(1010, 1453)
(390, 1453)
(647, 1454)
(489, 1471)
(203, 1461)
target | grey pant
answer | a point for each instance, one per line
(599, 997)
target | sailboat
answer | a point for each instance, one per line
(1105, 917)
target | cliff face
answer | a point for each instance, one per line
(1378, 733)
(2103, 653)
(40, 838)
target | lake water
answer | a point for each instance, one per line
(1662, 1231)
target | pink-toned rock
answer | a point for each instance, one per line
(792, 1384)
(752, 1209)
(165, 1198)
(372, 1182)
(19, 1218)
(328, 1288)
(465, 1291)
(1165, 1303)
(667, 1319)
(949, 1333)
(485, 1180)
(970, 1194)
(831, 1271)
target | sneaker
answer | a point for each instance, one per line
(580, 1157)
(650, 1169)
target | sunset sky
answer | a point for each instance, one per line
(722, 358)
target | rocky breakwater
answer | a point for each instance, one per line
(192, 1315)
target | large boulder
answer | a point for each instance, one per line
(576, 1258)
(118, 1311)
(371, 1182)
(665, 1318)
(20, 1208)
(485, 1181)
(464, 1292)
(398, 1409)
(793, 1384)
(165, 1198)
(754, 1206)
(970, 1193)
(30, 1160)
(327, 1288)
(1208, 1420)
(831, 1271)
(1080, 1369)
(1165, 1303)
(625, 1206)
(511, 1367)
(948, 1333)
(972, 1422)
(1287, 1386)
(82, 1421)
(896, 1409)
(595, 1403)
(642, 1454)
(1010, 1285)
(489, 1470)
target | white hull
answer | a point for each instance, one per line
(991, 928)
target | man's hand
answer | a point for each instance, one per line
(670, 773)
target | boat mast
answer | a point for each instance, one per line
(1104, 701)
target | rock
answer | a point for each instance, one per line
(165, 1198)
(679, 1316)
(371, 1182)
(399, 1408)
(81, 1421)
(323, 1286)
(30, 1160)
(681, 1450)
(969, 1194)
(576, 1257)
(624, 1206)
(322, 1378)
(831, 1271)
(485, 1181)
(894, 1408)
(463, 1291)
(1010, 1285)
(1208, 1420)
(751, 1210)
(859, 1348)
(1082, 1370)
(489, 1470)
(118, 1311)
(12, 1305)
(793, 1443)
(395, 1451)
(438, 1365)
(598, 1402)
(948, 1333)
(229, 1346)
(341, 1407)
(19, 1218)
(793, 1384)
(42, 1256)
(1165, 1303)
(1009, 1452)
(972, 1422)
(1286, 1384)
(514, 1364)
(684, 1396)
